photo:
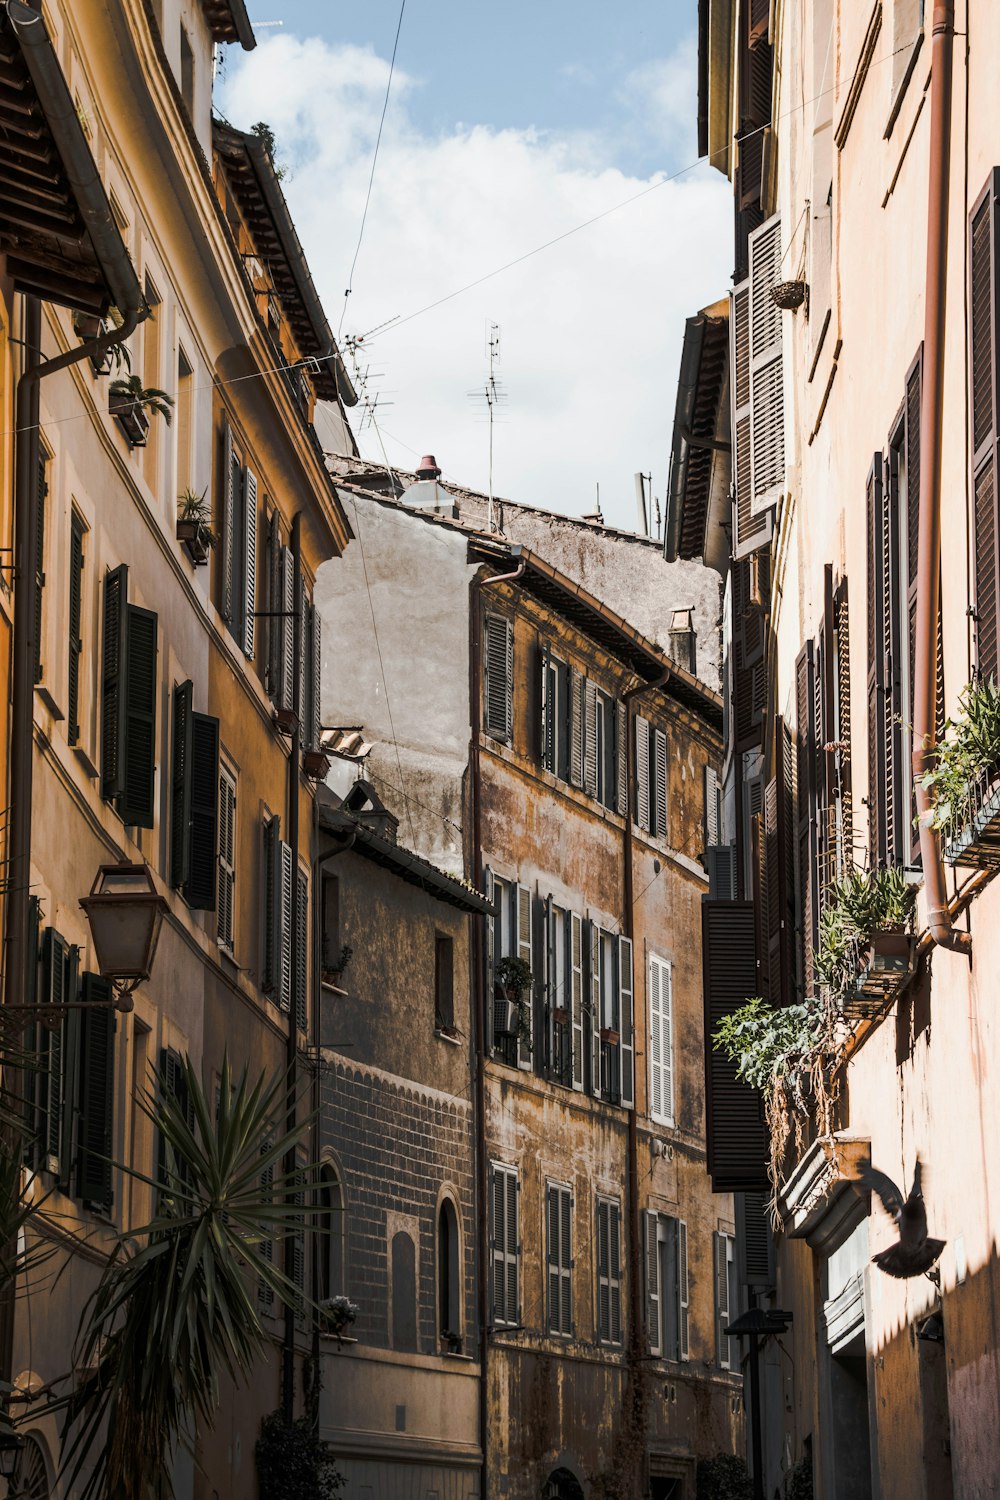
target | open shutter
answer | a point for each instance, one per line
(651, 1257)
(615, 1267)
(842, 730)
(596, 1019)
(577, 718)
(547, 709)
(180, 785)
(621, 759)
(720, 1245)
(95, 1092)
(713, 810)
(201, 888)
(499, 664)
(984, 355)
(661, 1060)
(272, 890)
(249, 560)
(643, 801)
(139, 772)
(552, 996)
(75, 629)
(879, 792)
(302, 615)
(590, 737)
(41, 492)
(911, 837)
(576, 994)
(736, 1135)
(58, 970)
(524, 1043)
(227, 860)
(265, 1293)
(275, 634)
(302, 943)
(229, 548)
(314, 724)
(659, 824)
(767, 388)
(286, 873)
(751, 529)
(683, 1290)
(626, 1022)
(805, 827)
(113, 681)
(286, 676)
(491, 931)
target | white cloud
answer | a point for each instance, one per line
(590, 328)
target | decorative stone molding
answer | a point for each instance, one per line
(818, 1197)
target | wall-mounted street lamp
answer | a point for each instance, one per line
(125, 911)
(10, 1453)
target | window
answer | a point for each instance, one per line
(41, 493)
(187, 72)
(76, 535)
(128, 703)
(330, 944)
(564, 994)
(286, 924)
(727, 1349)
(238, 590)
(444, 983)
(333, 1235)
(661, 1041)
(665, 1254)
(582, 733)
(53, 964)
(151, 378)
(185, 424)
(449, 1278)
(612, 1045)
(404, 1292)
(556, 715)
(650, 778)
(498, 678)
(609, 1285)
(559, 1257)
(505, 1247)
(195, 805)
(509, 935)
(227, 857)
(95, 1093)
(983, 250)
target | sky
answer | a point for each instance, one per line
(508, 125)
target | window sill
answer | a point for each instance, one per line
(451, 1354)
(49, 701)
(904, 83)
(453, 1040)
(86, 762)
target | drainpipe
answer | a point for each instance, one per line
(939, 921)
(292, 1046)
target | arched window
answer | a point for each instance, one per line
(449, 1279)
(404, 1292)
(33, 1475)
(562, 1485)
(333, 1235)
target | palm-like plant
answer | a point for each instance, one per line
(131, 392)
(175, 1309)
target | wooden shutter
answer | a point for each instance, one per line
(115, 628)
(683, 1291)
(651, 1258)
(498, 663)
(713, 810)
(227, 859)
(805, 827)
(265, 1293)
(201, 888)
(842, 730)
(95, 1093)
(302, 946)
(552, 997)
(767, 387)
(301, 701)
(658, 823)
(596, 1019)
(229, 541)
(314, 722)
(722, 1313)
(75, 628)
(286, 673)
(181, 750)
(609, 1285)
(661, 1041)
(559, 1212)
(577, 724)
(58, 971)
(736, 1136)
(524, 951)
(984, 354)
(547, 709)
(643, 799)
(621, 759)
(286, 870)
(751, 529)
(41, 492)
(490, 934)
(878, 783)
(576, 994)
(275, 633)
(749, 656)
(505, 1257)
(626, 1021)
(139, 771)
(778, 874)
(590, 737)
(272, 888)
(249, 561)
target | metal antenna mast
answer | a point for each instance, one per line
(495, 394)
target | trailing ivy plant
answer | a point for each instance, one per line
(860, 903)
(968, 751)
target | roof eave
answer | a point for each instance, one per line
(404, 863)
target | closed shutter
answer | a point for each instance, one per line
(286, 675)
(842, 730)
(524, 952)
(547, 709)
(302, 945)
(75, 628)
(553, 998)
(181, 751)
(265, 1293)
(505, 1256)
(805, 827)
(314, 721)
(651, 1259)
(643, 799)
(173, 1169)
(984, 354)
(249, 561)
(751, 529)
(201, 888)
(661, 1041)
(576, 994)
(58, 987)
(750, 674)
(229, 541)
(713, 808)
(284, 914)
(490, 954)
(275, 632)
(577, 726)
(590, 737)
(767, 388)
(683, 1291)
(754, 1240)
(559, 1214)
(139, 771)
(272, 912)
(498, 686)
(594, 1010)
(722, 1311)
(42, 491)
(95, 1093)
(658, 823)
(621, 759)
(609, 1288)
(298, 1247)
(736, 1136)
(626, 1022)
(227, 859)
(301, 702)
(115, 629)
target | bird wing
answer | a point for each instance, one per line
(916, 1190)
(877, 1182)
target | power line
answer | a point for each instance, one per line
(371, 179)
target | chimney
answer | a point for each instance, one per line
(425, 493)
(428, 468)
(683, 648)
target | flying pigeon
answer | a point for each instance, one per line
(914, 1253)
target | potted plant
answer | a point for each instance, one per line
(336, 1314)
(333, 972)
(451, 1341)
(513, 980)
(89, 326)
(866, 948)
(129, 401)
(964, 779)
(560, 1015)
(194, 528)
(610, 1035)
(315, 763)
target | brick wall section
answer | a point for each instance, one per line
(397, 1145)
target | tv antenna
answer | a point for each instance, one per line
(494, 394)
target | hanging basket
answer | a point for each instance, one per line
(789, 294)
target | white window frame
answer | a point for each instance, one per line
(661, 1040)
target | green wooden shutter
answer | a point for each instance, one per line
(43, 489)
(139, 771)
(200, 890)
(96, 1093)
(302, 946)
(180, 786)
(75, 637)
(113, 681)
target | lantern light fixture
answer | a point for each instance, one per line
(125, 912)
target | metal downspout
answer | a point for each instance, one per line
(292, 1045)
(939, 920)
(478, 1057)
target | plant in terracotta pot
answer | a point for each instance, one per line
(511, 1013)
(194, 528)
